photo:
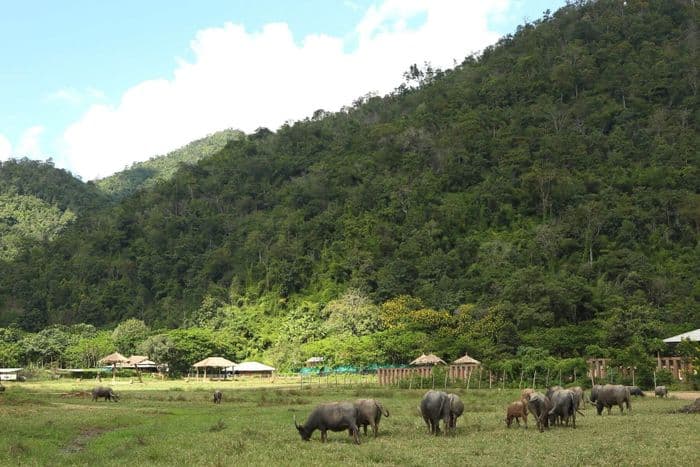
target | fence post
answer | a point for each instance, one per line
(534, 375)
(520, 384)
(469, 378)
(479, 377)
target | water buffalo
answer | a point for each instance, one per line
(217, 396)
(539, 405)
(516, 410)
(661, 391)
(563, 406)
(106, 392)
(456, 410)
(580, 396)
(609, 395)
(636, 391)
(369, 412)
(435, 406)
(334, 416)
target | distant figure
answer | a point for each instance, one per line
(217, 396)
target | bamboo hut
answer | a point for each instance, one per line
(463, 366)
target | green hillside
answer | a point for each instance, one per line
(148, 173)
(541, 195)
(37, 201)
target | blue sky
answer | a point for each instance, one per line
(98, 85)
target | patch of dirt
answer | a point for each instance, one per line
(683, 395)
(79, 442)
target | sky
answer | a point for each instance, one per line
(98, 85)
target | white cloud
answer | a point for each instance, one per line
(29, 144)
(76, 97)
(245, 80)
(5, 148)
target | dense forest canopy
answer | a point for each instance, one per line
(541, 197)
(146, 174)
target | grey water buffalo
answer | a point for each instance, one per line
(563, 406)
(456, 410)
(609, 395)
(106, 392)
(217, 396)
(516, 410)
(539, 405)
(369, 412)
(435, 406)
(661, 391)
(580, 396)
(636, 391)
(334, 416)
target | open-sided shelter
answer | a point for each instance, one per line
(213, 362)
(113, 359)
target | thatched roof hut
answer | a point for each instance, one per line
(430, 359)
(113, 359)
(466, 360)
(214, 362)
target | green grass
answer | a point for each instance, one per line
(175, 423)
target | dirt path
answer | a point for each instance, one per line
(683, 395)
(79, 442)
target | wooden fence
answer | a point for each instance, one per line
(390, 376)
(598, 368)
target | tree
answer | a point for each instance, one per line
(129, 334)
(353, 313)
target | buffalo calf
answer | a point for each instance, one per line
(516, 410)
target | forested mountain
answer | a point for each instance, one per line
(148, 173)
(543, 194)
(37, 201)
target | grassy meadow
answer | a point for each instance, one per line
(175, 423)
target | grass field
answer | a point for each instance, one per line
(175, 423)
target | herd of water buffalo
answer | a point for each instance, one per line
(556, 406)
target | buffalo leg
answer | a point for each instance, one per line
(356, 433)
